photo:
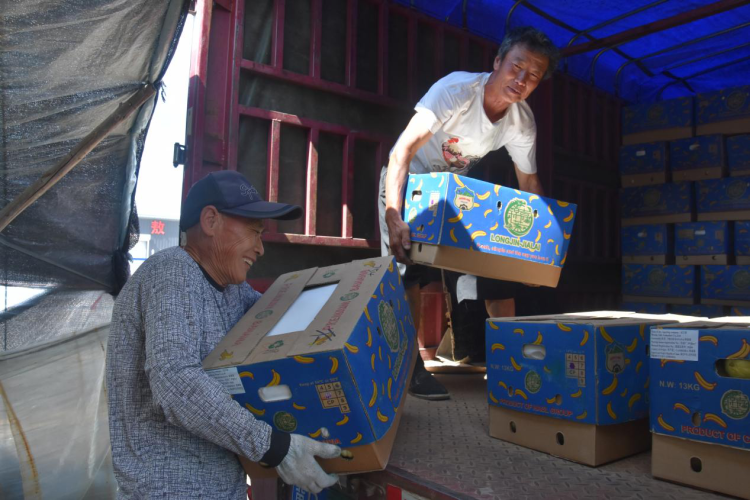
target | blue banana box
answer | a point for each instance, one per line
(723, 199)
(692, 395)
(643, 164)
(657, 204)
(700, 310)
(699, 243)
(325, 353)
(738, 155)
(697, 158)
(484, 229)
(725, 285)
(742, 242)
(654, 283)
(659, 121)
(724, 111)
(646, 243)
(644, 307)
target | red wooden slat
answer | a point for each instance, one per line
(347, 188)
(311, 198)
(316, 27)
(238, 22)
(277, 35)
(272, 183)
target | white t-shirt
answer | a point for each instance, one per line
(453, 111)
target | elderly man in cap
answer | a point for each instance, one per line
(175, 432)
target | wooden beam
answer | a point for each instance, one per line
(655, 27)
(54, 174)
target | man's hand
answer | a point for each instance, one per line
(400, 238)
(299, 467)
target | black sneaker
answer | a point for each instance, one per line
(424, 386)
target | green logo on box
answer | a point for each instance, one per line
(651, 198)
(657, 277)
(533, 382)
(329, 274)
(735, 404)
(264, 314)
(736, 100)
(736, 189)
(285, 421)
(519, 217)
(276, 344)
(388, 325)
(464, 199)
(741, 280)
(349, 296)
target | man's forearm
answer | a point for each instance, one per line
(531, 184)
(395, 180)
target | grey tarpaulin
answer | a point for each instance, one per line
(64, 67)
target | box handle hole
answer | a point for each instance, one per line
(275, 393)
(560, 438)
(534, 351)
(734, 368)
(512, 427)
(696, 464)
(420, 228)
(696, 419)
(416, 195)
(558, 399)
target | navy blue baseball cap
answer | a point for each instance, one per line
(231, 193)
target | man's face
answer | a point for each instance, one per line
(237, 245)
(519, 73)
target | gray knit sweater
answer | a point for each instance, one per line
(174, 431)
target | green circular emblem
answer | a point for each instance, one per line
(736, 100)
(533, 382)
(285, 421)
(519, 217)
(656, 277)
(651, 198)
(735, 404)
(264, 314)
(329, 274)
(276, 344)
(736, 189)
(349, 296)
(741, 279)
(388, 325)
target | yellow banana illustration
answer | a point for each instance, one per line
(389, 361)
(374, 296)
(665, 361)
(456, 218)
(453, 236)
(538, 236)
(367, 314)
(564, 328)
(275, 379)
(709, 338)
(585, 338)
(381, 289)
(624, 393)
(442, 179)
(518, 331)
(517, 191)
(487, 212)
(611, 411)
(477, 234)
(494, 326)
(551, 400)
(550, 240)
(569, 217)
(372, 361)
(742, 353)
(502, 384)
(343, 420)
(605, 335)
(577, 394)
(710, 417)
(303, 359)
(519, 392)
(431, 223)
(641, 332)
(469, 225)
(380, 353)
(494, 226)
(539, 339)
(484, 196)
(562, 262)
(566, 235)
(664, 425)
(680, 406)
(648, 382)
(633, 345)
(390, 383)
(549, 209)
(547, 370)
(381, 417)
(633, 400)
(369, 337)
(515, 365)
(298, 407)
(374, 394)
(533, 197)
(495, 347)
(334, 364)
(255, 411)
(493, 398)
(497, 189)
(458, 181)
(247, 374)
(611, 388)
(351, 348)
(390, 267)
(419, 187)
(706, 385)
(356, 439)
(582, 416)
(316, 433)
(562, 203)
(226, 355)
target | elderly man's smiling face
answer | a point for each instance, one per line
(236, 246)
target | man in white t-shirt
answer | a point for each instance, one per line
(463, 117)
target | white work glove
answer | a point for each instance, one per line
(299, 467)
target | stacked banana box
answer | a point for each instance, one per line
(575, 386)
(700, 404)
(685, 205)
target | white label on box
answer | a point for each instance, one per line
(674, 344)
(229, 378)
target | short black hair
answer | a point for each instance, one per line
(535, 41)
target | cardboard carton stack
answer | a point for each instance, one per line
(700, 404)
(685, 170)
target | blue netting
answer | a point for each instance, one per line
(710, 63)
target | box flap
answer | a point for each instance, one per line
(237, 345)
